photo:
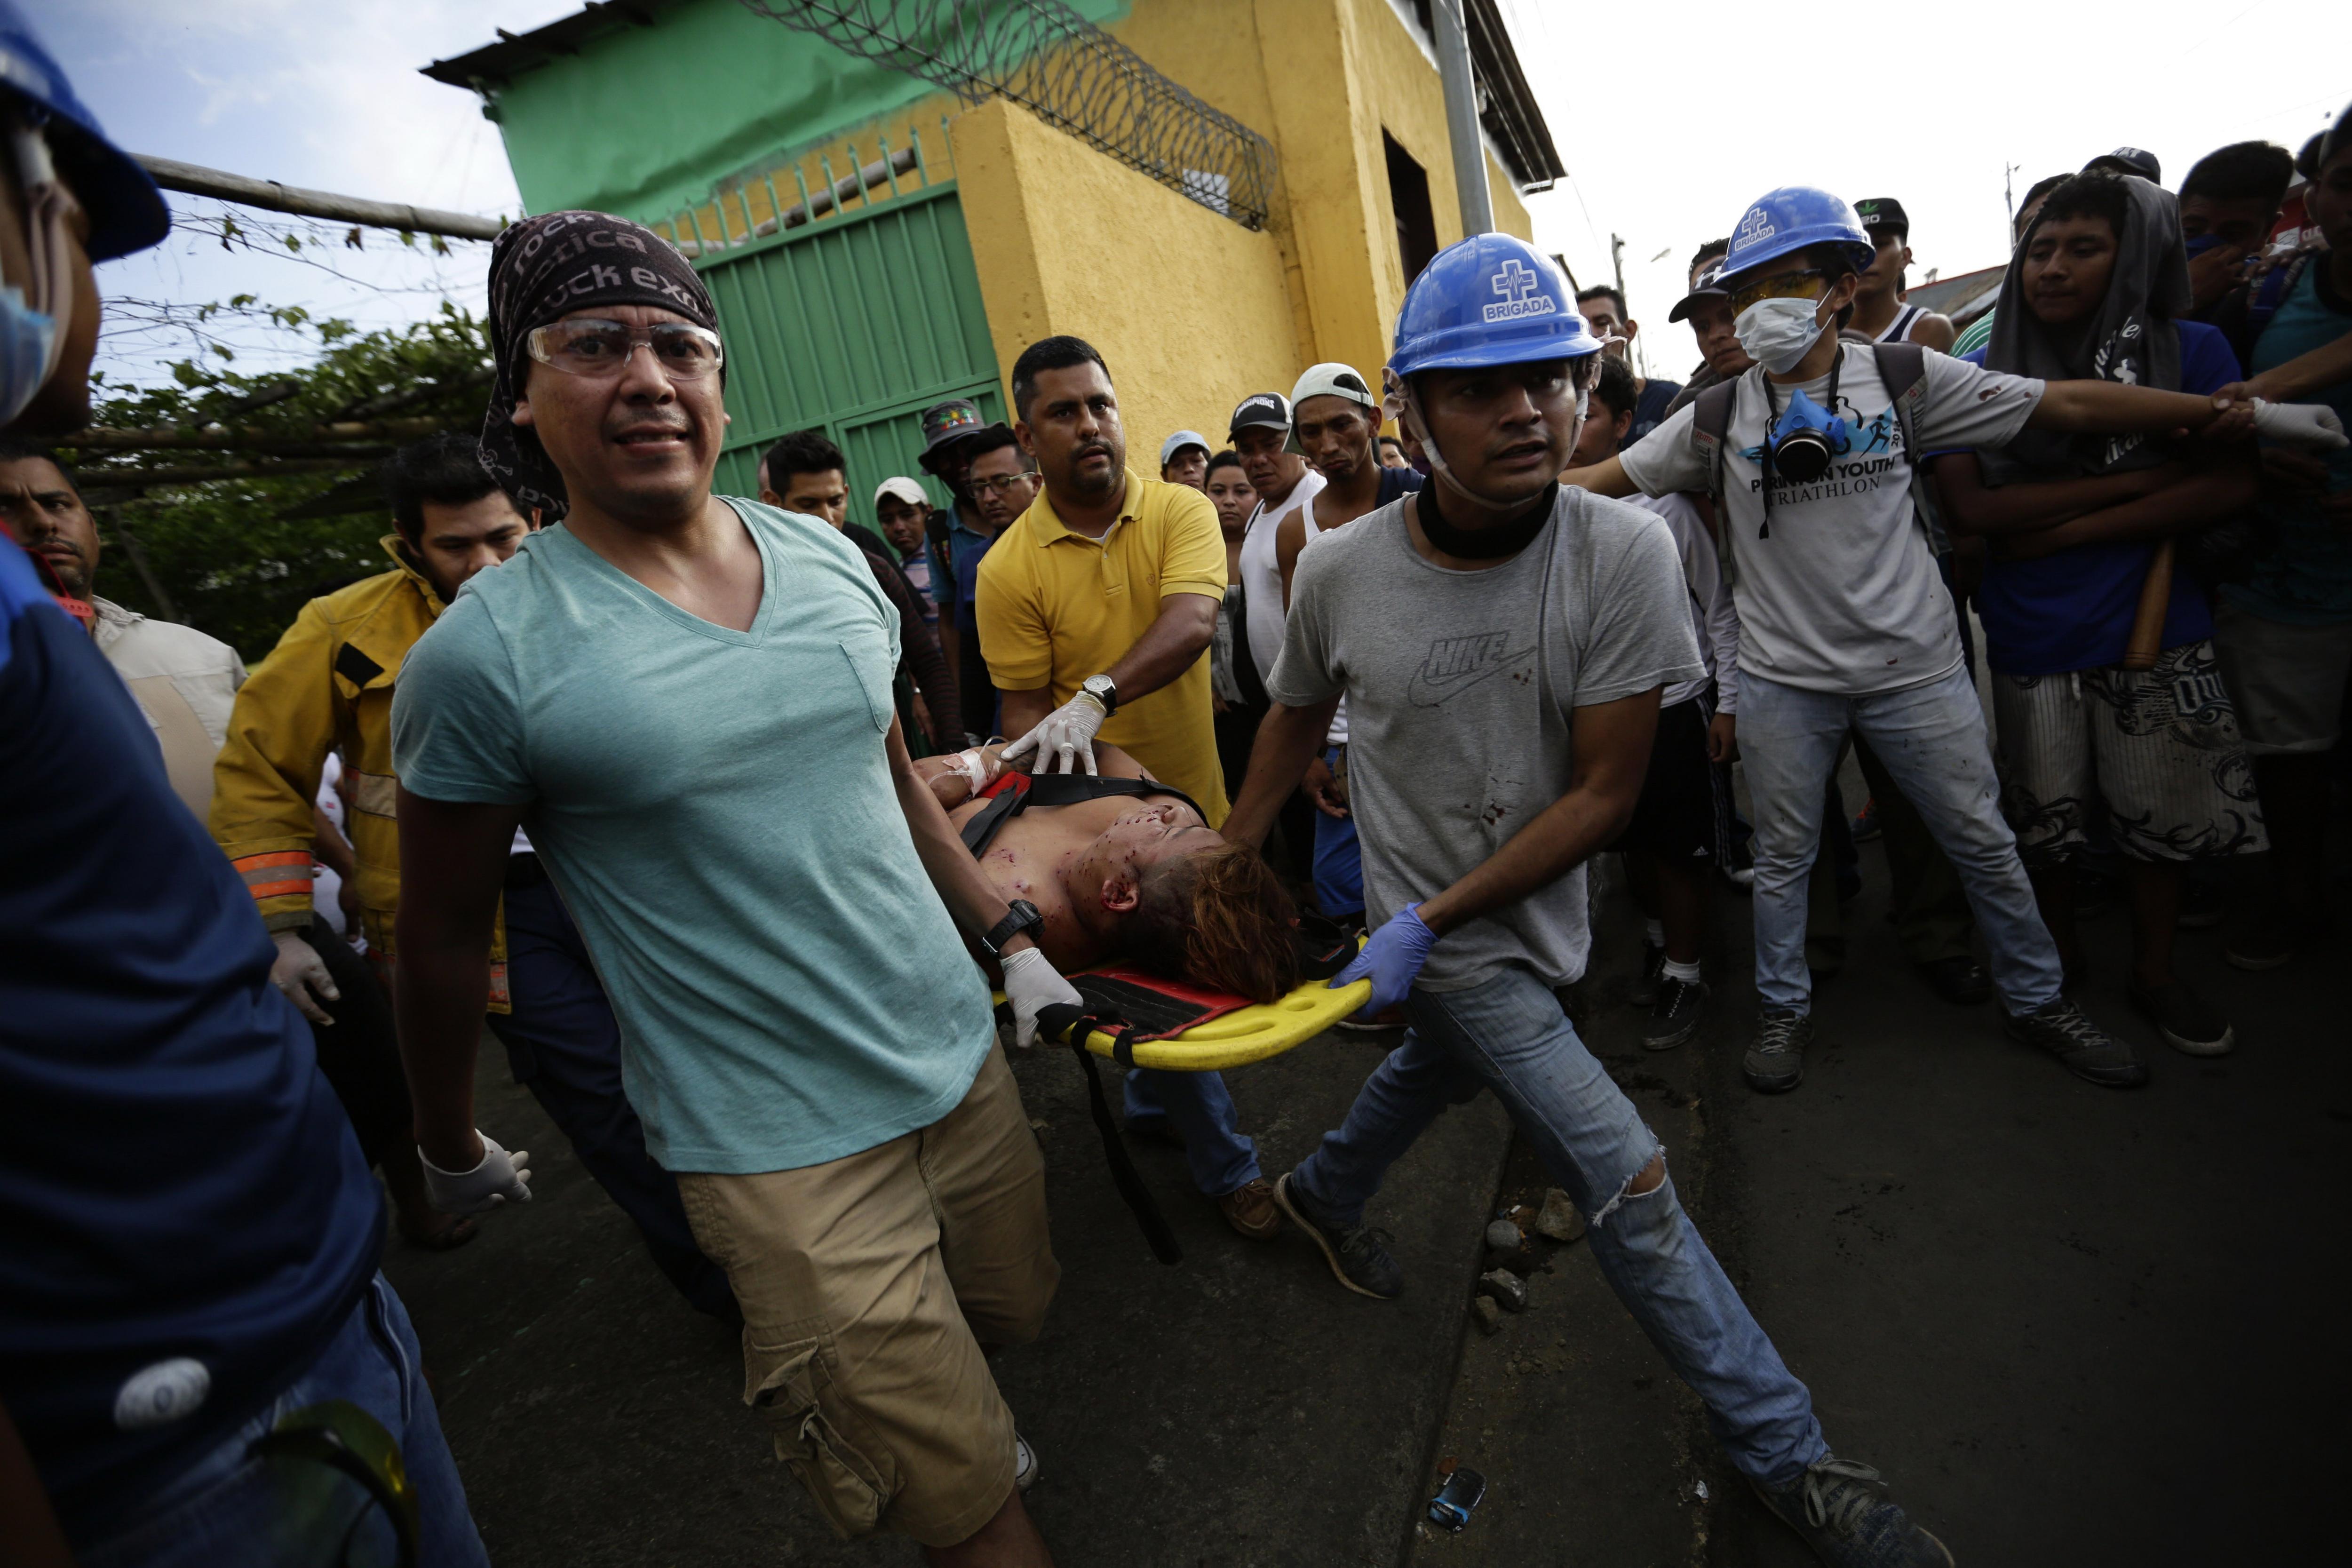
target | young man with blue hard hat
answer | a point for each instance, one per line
(199, 1360)
(1501, 642)
(1845, 623)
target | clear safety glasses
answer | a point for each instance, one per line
(599, 349)
(1780, 286)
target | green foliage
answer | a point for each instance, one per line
(232, 555)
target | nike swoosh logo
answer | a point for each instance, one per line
(1425, 690)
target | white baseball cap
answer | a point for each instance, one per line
(905, 489)
(1331, 379)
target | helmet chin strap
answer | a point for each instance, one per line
(1407, 403)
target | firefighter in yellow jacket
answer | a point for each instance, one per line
(327, 687)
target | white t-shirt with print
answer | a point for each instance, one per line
(1843, 593)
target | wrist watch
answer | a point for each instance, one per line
(1103, 690)
(1020, 915)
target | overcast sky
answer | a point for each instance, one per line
(1661, 117)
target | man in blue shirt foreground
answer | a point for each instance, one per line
(188, 1294)
(689, 699)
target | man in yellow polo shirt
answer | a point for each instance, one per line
(1095, 610)
(1097, 605)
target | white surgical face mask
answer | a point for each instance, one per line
(1777, 332)
(28, 352)
(32, 331)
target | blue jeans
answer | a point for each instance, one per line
(1339, 862)
(564, 1046)
(286, 1513)
(1508, 1034)
(1931, 739)
(1219, 1154)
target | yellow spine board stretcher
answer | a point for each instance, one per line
(1247, 1035)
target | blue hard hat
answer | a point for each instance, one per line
(1780, 223)
(1492, 299)
(126, 211)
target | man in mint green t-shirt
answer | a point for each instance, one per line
(688, 700)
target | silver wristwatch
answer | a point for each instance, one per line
(1102, 690)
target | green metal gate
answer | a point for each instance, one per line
(853, 325)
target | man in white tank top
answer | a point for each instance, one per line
(1880, 313)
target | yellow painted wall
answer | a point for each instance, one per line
(1190, 310)
(1321, 80)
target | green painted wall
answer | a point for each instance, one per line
(643, 120)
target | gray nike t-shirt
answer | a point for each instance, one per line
(1460, 686)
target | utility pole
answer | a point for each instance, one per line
(1452, 40)
(1617, 259)
(2009, 197)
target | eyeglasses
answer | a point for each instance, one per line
(1780, 286)
(1003, 486)
(601, 349)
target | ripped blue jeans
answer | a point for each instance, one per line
(1508, 1034)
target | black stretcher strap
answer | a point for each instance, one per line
(1058, 789)
(1063, 1021)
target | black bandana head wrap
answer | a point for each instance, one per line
(2129, 338)
(542, 270)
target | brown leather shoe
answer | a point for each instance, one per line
(1250, 1209)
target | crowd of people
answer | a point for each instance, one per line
(1403, 653)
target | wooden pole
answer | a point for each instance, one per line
(197, 180)
(120, 479)
(102, 438)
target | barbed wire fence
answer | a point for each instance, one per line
(1045, 56)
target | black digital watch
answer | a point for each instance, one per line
(1020, 915)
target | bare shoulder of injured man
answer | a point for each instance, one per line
(1140, 880)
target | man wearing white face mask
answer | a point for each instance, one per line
(1844, 622)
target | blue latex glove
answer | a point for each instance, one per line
(1393, 958)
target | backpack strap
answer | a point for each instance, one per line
(1903, 370)
(1710, 428)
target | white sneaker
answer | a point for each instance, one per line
(1025, 1464)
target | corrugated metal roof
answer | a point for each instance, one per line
(1947, 296)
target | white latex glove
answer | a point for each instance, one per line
(1065, 735)
(500, 1178)
(1031, 982)
(299, 971)
(2306, 426)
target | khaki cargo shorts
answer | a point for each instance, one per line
(868, 1286)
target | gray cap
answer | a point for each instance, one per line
(1178, 442)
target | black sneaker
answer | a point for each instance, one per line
(1841, 1510)
(1358, 1256)
(1776, 1058)
(2089, 1052)
(1645, 990)
(1960, 979)
(1681, 1007)
(2187, 1024)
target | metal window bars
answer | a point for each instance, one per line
(1044, 56)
